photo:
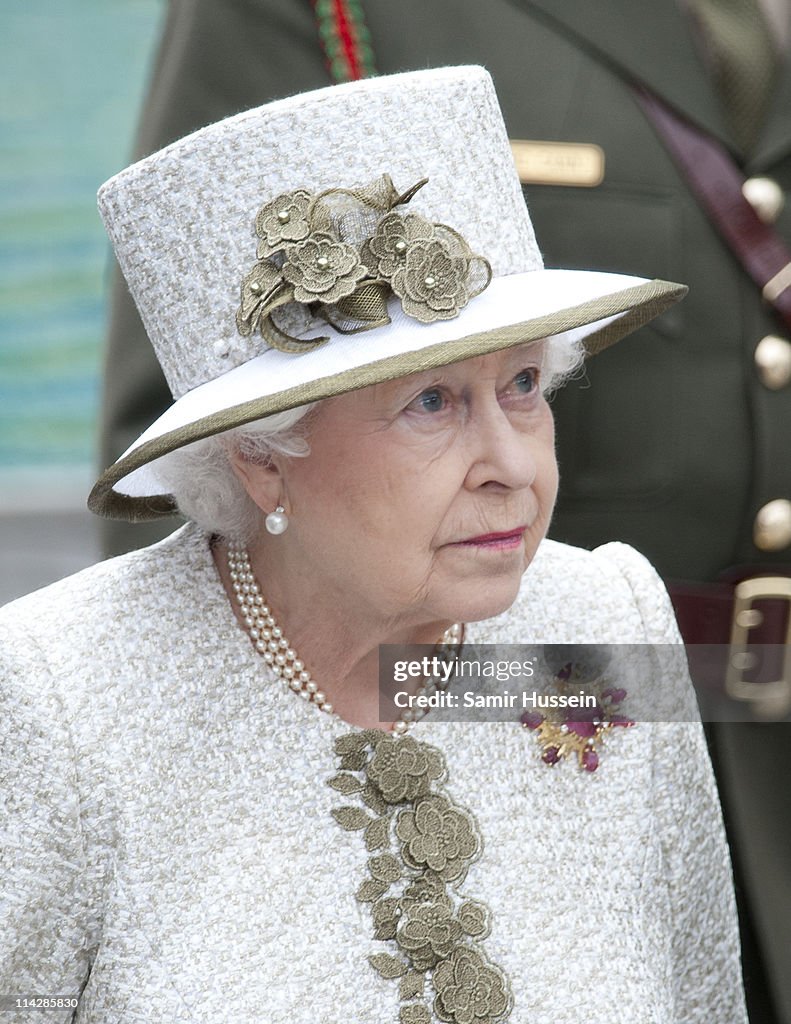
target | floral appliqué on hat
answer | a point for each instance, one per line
(344, 253)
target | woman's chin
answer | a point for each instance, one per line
(491, 599)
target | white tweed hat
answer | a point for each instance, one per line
(333, 240)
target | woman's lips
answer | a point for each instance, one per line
(498, 541)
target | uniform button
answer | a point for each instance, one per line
(773, 361)
(765, 196)
(772, 529)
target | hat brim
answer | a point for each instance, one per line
(597, 309)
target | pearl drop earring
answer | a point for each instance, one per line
(277, 521)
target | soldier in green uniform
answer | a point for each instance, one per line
(677, 442)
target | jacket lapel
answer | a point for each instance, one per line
(643, 40)
(775, 140)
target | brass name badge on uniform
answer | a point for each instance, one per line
(558, 163)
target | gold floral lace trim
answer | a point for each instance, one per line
(421, 847)
(344, 252)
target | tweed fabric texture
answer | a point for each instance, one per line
(182, 220)
(167, 826)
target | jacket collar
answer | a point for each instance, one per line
(649, 41)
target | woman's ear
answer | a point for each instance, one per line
(260, 476)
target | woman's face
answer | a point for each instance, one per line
(424, 499)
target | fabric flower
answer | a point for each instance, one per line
(386, 251)
(345, 252)
(424, 890)
(439, 836)
(474, 918)
(431, 282)
(403, 769)
(261, 280)
(322, 269)
(469, 990)
(429, 933)
(282, 221)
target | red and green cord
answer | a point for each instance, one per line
(344, 39)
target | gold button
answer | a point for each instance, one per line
(772, 529)
(773, 361)
(766, 198)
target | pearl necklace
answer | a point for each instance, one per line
(270, 642)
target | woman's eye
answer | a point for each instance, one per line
(526, 381)
(431, 400)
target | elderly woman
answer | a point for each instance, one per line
(206, 818)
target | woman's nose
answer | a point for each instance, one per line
(501, 453)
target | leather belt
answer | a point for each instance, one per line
(738, 637)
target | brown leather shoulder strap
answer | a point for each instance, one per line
(717, 183)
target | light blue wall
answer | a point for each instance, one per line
(72, 75)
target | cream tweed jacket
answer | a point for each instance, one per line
(169, 851)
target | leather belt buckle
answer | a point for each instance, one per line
(769, 700)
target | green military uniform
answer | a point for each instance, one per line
(676, 439)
